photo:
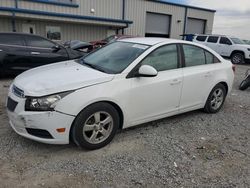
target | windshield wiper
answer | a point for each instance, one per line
(96, 67)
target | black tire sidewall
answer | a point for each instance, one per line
(208, 108)
(238, 54)
(77, 127)
(244, 85)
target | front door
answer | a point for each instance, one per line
(151, 97)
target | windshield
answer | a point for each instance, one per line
(237, 41)
(115, 57)
(110, 38)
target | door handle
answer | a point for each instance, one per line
(175, 82)
(35, 53)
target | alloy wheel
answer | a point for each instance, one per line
(98, 127)
(217, 99)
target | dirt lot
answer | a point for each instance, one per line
(189, 150)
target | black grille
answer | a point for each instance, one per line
(39, 133)
(11, 104)
(18, 92)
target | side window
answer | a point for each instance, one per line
(163, 58)
(193, 55)
(212, 39)
(34, 41)
(201, 38)
(225, 40)
(11, 40)
(210, 58)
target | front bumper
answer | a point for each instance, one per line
(21, 120)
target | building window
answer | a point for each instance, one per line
(53, 32)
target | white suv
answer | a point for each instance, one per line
(230, 47)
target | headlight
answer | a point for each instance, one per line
(46, 103)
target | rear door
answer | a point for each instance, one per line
(198, 75)
(225, 47)
(13, 54)
(43, 51)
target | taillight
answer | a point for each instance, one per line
(234, 68)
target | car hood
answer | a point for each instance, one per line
(59, 77)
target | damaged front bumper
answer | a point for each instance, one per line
(39, 126)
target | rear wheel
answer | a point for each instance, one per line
(238, 58)
(216, 99)
(95, 126)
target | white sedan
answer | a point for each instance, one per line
(123, 84)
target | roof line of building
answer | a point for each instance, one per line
(56, 3)
(44, 13)
(182, 5)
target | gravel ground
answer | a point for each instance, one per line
(189, 150)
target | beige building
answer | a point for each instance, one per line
(96, 19)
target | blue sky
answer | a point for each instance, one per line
(232, 16)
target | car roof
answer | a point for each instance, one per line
(215, 35)
(148, 40)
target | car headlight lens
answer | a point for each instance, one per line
(46, 103)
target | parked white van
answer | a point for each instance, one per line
(230, 47)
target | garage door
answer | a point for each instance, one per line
(157, 25)
(195, 26)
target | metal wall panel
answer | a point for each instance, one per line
(135, 10)
(7, 3)
(102, 8)
(5, 24)
(75, 31)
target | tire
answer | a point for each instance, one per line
(244, 85)
(95, 126)
(215, 99)
(238, 58)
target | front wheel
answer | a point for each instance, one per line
(95, 126)
(244, 85)
(216, 99)
(238, 58)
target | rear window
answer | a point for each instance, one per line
(212, 39)
(10, 39)
(201, 38)
(210, 58)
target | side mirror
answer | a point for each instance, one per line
(147, 71)
(56, 48)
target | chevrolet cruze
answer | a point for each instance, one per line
(126, 83)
